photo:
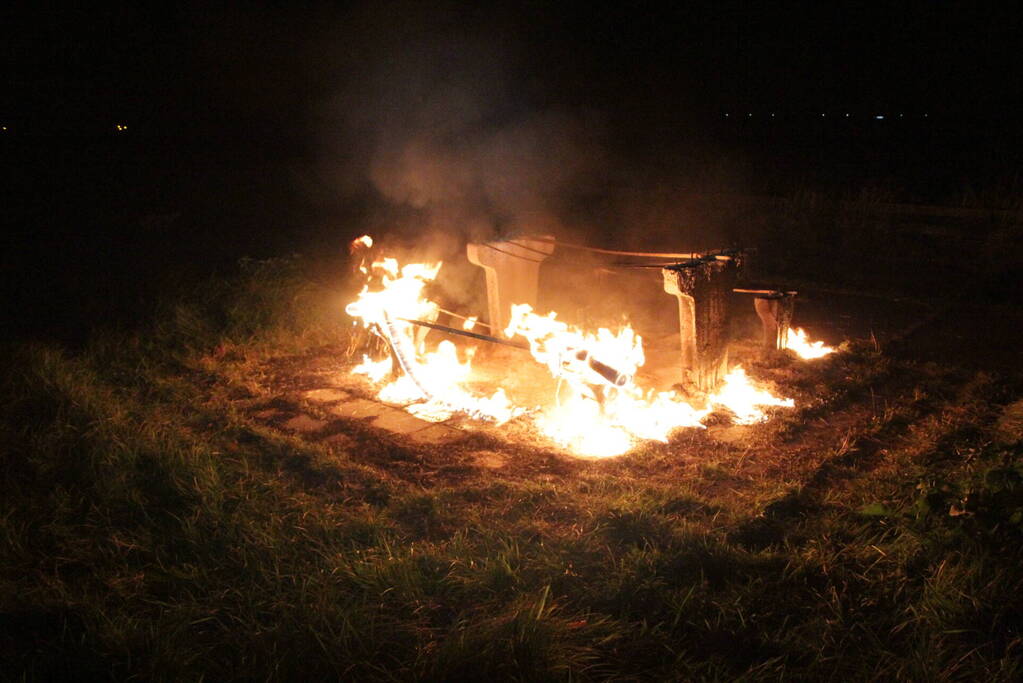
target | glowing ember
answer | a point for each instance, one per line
(804, 348)
(598, 410)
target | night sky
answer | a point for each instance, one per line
(274, 65)
(287, 127)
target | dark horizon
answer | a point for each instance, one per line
(267, 131)
(187, 63)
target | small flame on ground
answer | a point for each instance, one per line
(599, 409)
(801, 345)
(739, 395)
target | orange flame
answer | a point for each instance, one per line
(364, 242)
(801, 345)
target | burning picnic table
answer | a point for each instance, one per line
(592, 399)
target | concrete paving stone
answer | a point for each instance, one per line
(359, 408)
(304, 423)
(398, 421)
(436, 434)
(326, 395)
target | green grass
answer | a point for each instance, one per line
(151, 528)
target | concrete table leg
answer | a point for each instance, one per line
(775, 312)
(703, 288)
(513, 274)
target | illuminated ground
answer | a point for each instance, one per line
(211, 497)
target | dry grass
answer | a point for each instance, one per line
(152, 527)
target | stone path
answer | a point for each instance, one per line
(342, 404)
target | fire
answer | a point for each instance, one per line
(430, 382)
(376, 370)
(804, 348)
(744, 400)
(600, 411)
(606, 412)
(597, 410)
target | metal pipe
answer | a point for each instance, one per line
(462, 317)
(603, 370)
(466, 333)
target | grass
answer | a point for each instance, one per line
(151, 528)
(859, 240)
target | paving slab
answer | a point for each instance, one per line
(359, 408)
(326, 395)
(304, 423)
(398, 421)
(436, 434)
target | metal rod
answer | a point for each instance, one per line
(765, 292)
(642, 254)
(605, 371)
(462, 317)
(466, 333)
(643, 265)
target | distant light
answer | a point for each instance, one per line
(822, 115)
(879, 117)
(900, 116)
(925, 116)
(750, 115)
(726, 116)
(846, 116)
(772, 115)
